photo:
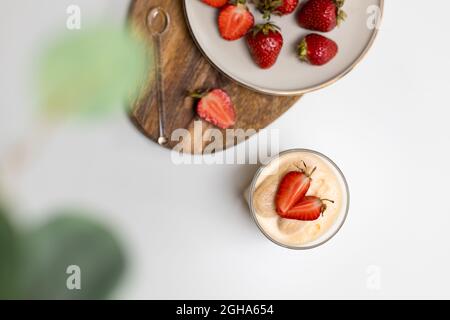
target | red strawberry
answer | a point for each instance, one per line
(215, 3)
(235, 20)
(287, 7)
(265, 43)
(278, 7)
(317, 50)
(321, 15)
(309, 209)
(217, 108)
(293, 188)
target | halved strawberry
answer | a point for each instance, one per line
(217, 108)
(293, 188)
(309, 209)
(215, 3)
(235, 20)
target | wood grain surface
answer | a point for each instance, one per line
(187, 70)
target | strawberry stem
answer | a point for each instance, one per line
(299, 168)
(304, 164)
(339, 3)
(303, 50)
(198, 94)
(267, 7)
(341, 16)
(305, 171)
(237, 2)
(324, 206)
(265, 28)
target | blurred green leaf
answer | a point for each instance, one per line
(8, 256)
(91, 72)
(65, 241)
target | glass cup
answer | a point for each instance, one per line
(331, 175)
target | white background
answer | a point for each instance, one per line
(187, 229)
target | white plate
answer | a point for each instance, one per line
(289, 76)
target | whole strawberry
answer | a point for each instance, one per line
(235, 20)
(215, 3)
(278, 7)
(321, 15)
(265, 43)
(317, 50)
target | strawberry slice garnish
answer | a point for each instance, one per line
(309, 209)
(215, 3)
(217, 108)
(292, 189)
(235, 20)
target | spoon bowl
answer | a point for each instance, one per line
(158, 21)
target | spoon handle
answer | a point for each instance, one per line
(160, 94)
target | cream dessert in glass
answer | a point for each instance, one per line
(297, 228)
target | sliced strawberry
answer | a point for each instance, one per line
(292, 189)
(215, 3)
(235, 21)
(217, 108)
(309, 209)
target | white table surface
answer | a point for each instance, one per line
(187, 229)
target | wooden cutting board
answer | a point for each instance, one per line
(187, 70)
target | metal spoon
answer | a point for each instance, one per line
(158, 21)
